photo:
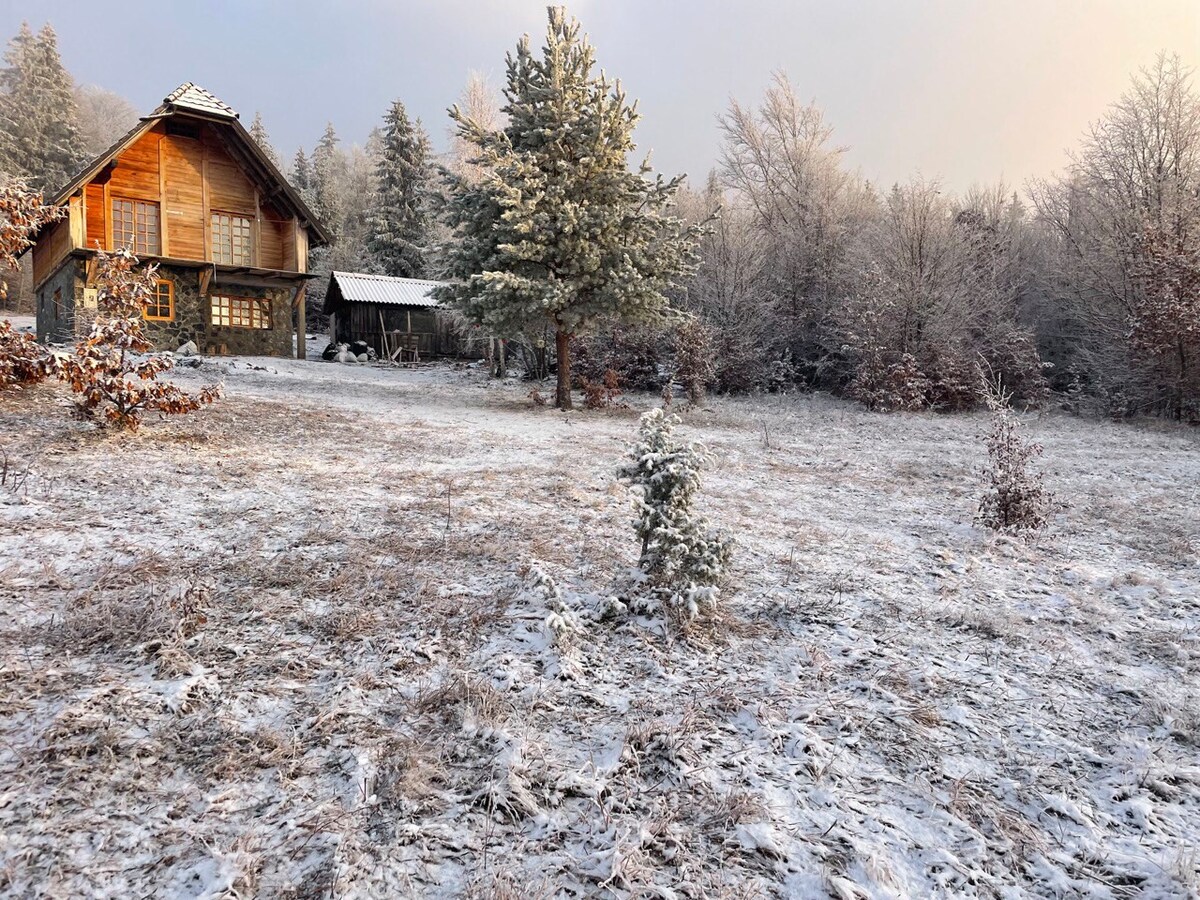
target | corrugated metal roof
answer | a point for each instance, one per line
(359, 288)
(192, 96)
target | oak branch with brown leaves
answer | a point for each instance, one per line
(22, 213)
(109, 369)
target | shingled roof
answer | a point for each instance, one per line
(356, 287)
(192, 96)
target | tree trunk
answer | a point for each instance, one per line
(562, 344)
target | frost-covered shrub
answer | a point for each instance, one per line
(638, 355)
(108, 368)
(1014, 497)
(683, 560)
(889, 387)
(601, 394)
(22, 359)
(694, 359)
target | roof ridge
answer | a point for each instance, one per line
(190, 95)
(384, 277)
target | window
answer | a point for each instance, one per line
(162, 303)
(231, 239)
(135, 225)
(241, 312)
(58, 307)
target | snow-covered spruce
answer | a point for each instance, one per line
(682, 558)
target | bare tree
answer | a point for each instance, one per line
(807, 207)
(479, 102)
(942, 285)
(103, 117)
(1137, 168)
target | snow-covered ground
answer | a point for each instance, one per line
(289, 647)
(20, 323)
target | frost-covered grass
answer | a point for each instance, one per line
(292, 646)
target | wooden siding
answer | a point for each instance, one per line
(183, 168)
(136, 174)
(52, 248)
(413, 327)
(190, 177)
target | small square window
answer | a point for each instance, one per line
(241, 312)
(135, 225)
(231, 239)
(161, 305)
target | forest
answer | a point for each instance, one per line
(1080, 286)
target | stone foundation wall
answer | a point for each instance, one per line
(191, 320)
(193, 314)
(60, 326)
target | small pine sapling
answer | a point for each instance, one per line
(1014, 497)
(109, 369)
(682, 559)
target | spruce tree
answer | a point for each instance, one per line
(258, 131)
(327, 180)
(559, 229)
(40, 139)
(398, 221)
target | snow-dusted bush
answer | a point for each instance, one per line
(1014, 497)
(889, 387)
(638, 356)
(694, 359)
(601, 394)
(22, 359)
(109, 369)
(683, 560)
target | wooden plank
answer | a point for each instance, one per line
(206, 214)
(164, 220)
(107, 218)
(76, 213)
(183, 165)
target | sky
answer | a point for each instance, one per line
(964, 91)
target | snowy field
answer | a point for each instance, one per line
(288, 647)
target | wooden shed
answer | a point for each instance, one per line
(390, 314)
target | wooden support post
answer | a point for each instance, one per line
(301, 325)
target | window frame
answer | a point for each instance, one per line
(246, 313)
(170, 316)
(214, 230)
(114, 220)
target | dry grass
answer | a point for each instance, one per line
(287, 648)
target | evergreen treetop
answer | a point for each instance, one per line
(40, 140)
(258, 131)
(560, 229)
(399, 220)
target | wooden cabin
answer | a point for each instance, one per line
(189, 189)
(396, 316)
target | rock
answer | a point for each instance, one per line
(364, 357)
(190, 362)
(188, 349)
